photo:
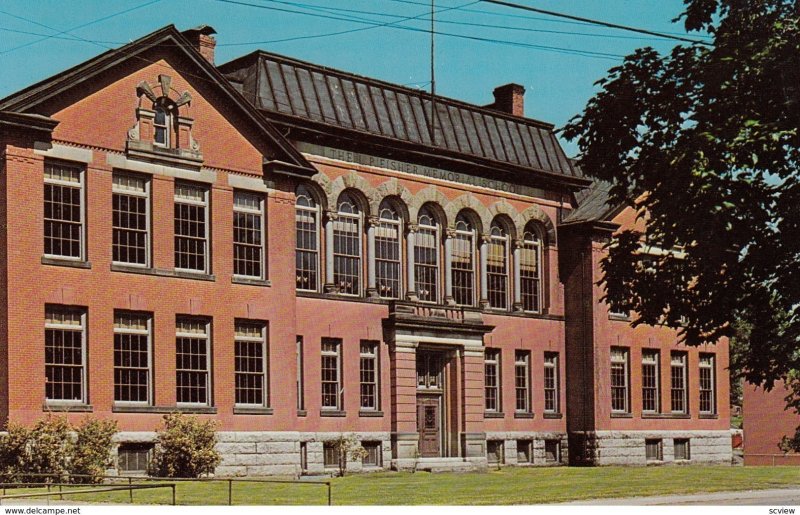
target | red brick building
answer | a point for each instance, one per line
(298, 253)
(766, 423)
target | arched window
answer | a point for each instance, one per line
(426, 256)
(387, 251)
(497, 267)
(463, 262)
(307, 239)
(347, 246)
(161, 126)
(530, 269)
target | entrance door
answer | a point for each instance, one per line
(429, 425)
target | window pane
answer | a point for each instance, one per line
(64, 354)
(248, 248)
(63, 225)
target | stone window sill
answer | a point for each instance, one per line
(494, 414)
(250, 281)
(332, 413)
(524, 415)
(711, 416)
(252, 410)
(200, 410)
(619, 318)
(72, 263)
(368, 413)
(666, 415)
(180, 274)
(621, 415)
(302, 413)
(75, 408)
(552, 415)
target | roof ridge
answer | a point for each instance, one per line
(397, 87)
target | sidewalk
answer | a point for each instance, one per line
(773, 497)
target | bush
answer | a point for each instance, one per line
(92, 449)
(185, 447)
(57, 449)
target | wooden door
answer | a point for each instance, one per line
(429, 425)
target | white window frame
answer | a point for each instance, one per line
(167, 127)
(314, 211)
(358, 219)
(338, 355)
(679, 360)
(209, 365)
(206, 204)
(522, 359)
(531, 241)
(301, 401)
(623, 358)
(433, 229)
(115, 189)
(464, 231)
(372, 355)
(84, 358)
(263, 340)
(397, 224)
(149, 333)
(708, 361)
(551, 362)
(502, 239)
(262, 228)
(81, 185)
(652, 358)
(492, 358)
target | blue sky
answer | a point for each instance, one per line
(558, 82)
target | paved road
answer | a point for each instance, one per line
(775, 497)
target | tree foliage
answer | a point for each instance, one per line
(703, 142)
(185, 447)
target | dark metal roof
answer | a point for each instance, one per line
(593, 205)
(288, 88)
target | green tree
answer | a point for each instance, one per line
(703, 142)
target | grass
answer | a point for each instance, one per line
(507, 486)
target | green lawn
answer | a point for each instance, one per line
(507, 486)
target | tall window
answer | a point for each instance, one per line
(522, 380)
(678, 382)
(306, 221)
(492, 379)
(301, 398)
(530, 274)
(497, 267)
(708, 401)
(192, 361)
(619, 380)
(63, 211)
(369, 373)
(331, 374)
(463, 262)
(347, 246)
(65, 354)
(651, 379)
(161, 126)
(191, 227)
(131, 219)
(426, 256)
(132, 358)
(551, 382)
(387, 252)
(248, 228)
(251, 359)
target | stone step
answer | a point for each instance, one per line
(445, 465)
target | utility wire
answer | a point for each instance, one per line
(98, 20)
(562, 50)
(596, 22)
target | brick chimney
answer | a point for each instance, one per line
(509, 98)
(203, 41)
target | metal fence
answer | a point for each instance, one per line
(91, 490)
(128, 482)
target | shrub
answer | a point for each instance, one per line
(12, 449)
(92, 449)
(48, 449)
(185, 447)
(347, 448)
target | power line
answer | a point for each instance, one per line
(596, 22)
(537, 18)
(98, 20)
(546, 48)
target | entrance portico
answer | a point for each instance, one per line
(436, 385)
